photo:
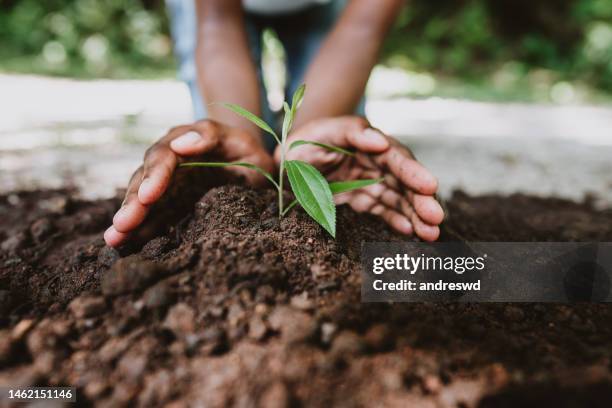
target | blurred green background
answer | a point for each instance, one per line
(533, 50)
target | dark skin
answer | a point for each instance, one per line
(227, 73)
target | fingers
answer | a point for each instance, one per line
(427, 208)
(367, 140)
(114, 238)
(159, 164)
(347, 131)
(151, 181)
(424, 212)
(411, 173)
(425, 231)
(161, 159)
(394, 219)
(132, 212)
(363, 202)
(194, 143)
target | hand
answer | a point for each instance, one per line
(152, 179)
(405, 199)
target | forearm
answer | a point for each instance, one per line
(226, 72)
(337, 78)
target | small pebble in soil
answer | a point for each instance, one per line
(328, 330)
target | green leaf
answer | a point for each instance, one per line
(298, 96)
(313, 193)
(240, 164)
(287, 121)
(338, 187)
(323, 145)
(251, 117)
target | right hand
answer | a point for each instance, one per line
(152, 179)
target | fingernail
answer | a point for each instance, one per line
(186, 141)
(119, 214)
(375, 136)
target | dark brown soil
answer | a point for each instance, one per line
(229, 307)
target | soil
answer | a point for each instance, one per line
(229, 307)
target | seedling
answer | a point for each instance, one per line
(309, 187)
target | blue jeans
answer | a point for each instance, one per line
(301, 34)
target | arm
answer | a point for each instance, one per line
(226, 72)
(343, 64)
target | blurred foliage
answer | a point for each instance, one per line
(506, 44)
(85, 38)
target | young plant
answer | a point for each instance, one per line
(309, 187)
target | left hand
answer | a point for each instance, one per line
(405, 199)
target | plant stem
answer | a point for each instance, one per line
(289, 207)
(280, 181)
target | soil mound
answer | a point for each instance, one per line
(230, 307)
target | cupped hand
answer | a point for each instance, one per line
(405, 199)
(184, 143)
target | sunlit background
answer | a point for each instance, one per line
(492, 95)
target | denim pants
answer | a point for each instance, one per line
(301, 34)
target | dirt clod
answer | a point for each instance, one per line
(295, 326)
(129, 275)
(87, 306)
(181, 320)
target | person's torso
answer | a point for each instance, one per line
(272, 7)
